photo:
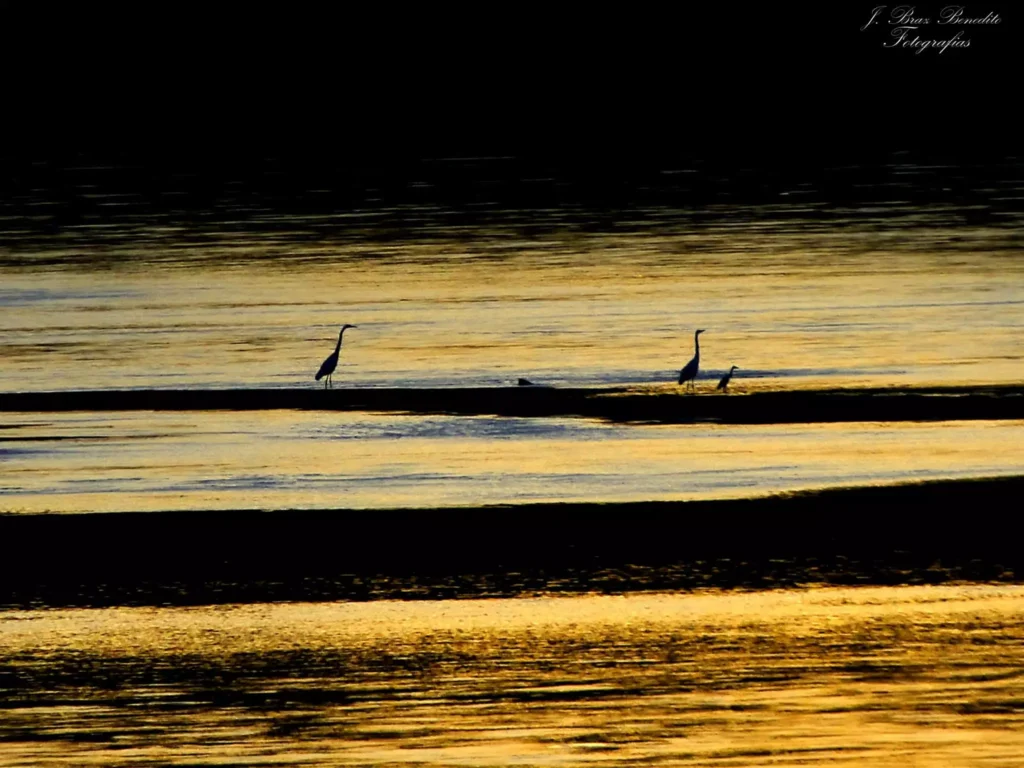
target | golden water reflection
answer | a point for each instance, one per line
(138, 461)
(583, 311)
(926, 676)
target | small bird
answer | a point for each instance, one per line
(723, 384)
(689, 372)
(332, 360)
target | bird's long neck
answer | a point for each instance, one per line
(696, 345)
(337, 348)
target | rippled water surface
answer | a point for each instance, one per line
(926, 676)
(900, 274)
(81, 462)
(795, 294)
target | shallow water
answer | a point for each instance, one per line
(111, 290)
(797, 294)
(125, 461)
(926, 676)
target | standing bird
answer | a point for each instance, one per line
(689, 372)
(723, 384)
(332, 360)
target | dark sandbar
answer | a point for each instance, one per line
(909, 534)
(616, 404)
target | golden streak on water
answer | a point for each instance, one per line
(927, 676)
(139, 461)
(592, 311)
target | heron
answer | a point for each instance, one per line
(689, 372)
(723, 384)
(332, 360)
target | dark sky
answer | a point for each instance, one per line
(619, 85)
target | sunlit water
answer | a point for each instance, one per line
(80, 462)
(893, 296)
(801, 295)
(923, 676)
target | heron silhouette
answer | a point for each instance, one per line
(723, 384)
(689, 373)
(332, 360)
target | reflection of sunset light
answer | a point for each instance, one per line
(282, 459)
(827, 674)
(821, 308)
